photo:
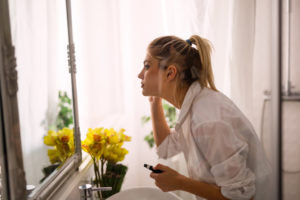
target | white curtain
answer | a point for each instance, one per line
(111, 37)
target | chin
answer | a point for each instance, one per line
(145, 94)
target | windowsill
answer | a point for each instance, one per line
(70, 188)
(86, 162)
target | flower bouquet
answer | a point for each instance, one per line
(62, 142)
(59, 135)
(105, 148)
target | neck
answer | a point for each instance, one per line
(175, 97)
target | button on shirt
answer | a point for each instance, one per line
(219, 144)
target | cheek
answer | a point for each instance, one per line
(150, 82)
(148, 76)
(151, 78)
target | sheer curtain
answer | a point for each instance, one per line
(111, 39)
(110, 43)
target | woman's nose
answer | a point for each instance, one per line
(141, 74)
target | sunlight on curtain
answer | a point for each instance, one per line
(111, 38)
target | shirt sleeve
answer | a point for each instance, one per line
(170, 146)
(227, 156)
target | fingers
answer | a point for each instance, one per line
(153, 175)
(161, 167)
(158, 166)
(154, 99)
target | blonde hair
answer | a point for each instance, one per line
(194, 64)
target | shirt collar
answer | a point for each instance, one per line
(192, 92)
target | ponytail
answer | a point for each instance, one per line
(206, 78)
(194, 64)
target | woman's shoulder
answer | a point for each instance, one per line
(210, 99)
(210, 105)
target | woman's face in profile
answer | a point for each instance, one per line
(151, 77)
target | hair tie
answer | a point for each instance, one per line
(189, 42)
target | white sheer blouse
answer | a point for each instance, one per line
(219, 144)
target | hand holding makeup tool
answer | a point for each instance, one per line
(151, 168)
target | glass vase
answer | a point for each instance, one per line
(113, 177)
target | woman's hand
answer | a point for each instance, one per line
(168, 180)
(155, 100)
(160, 126)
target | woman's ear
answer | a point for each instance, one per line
(171, 72)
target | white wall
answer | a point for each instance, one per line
(290, 109)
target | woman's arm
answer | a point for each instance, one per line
(171, 180)
(202, 189)
(207, 191)
(159, 124)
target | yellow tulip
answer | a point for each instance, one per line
(106, 144)
(63, 142)
(122, 130)
(50, 139)
(53, 156)
(65, 135)
(85, 147)
(113, 139)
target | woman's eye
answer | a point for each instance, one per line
(146, 66)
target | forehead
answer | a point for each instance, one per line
(150, 59)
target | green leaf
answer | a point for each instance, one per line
(150, 139)
(145, 119)
(65, 114)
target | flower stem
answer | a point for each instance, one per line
(102, 171)
(97, 176)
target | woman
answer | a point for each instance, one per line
(224, 157)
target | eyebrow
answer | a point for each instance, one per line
(147, 61)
